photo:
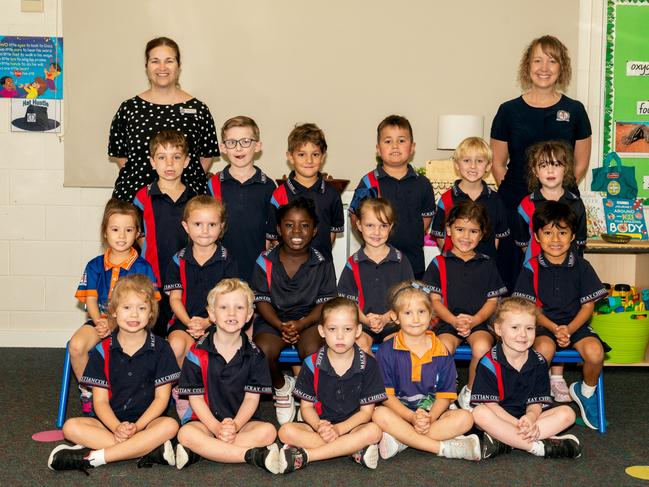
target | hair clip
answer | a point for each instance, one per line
(415, 285)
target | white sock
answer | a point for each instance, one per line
(556, 377)
(537, 449)
(96, 458)
(587, 390)
(440, 453)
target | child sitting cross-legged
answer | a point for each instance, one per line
(338, 386)
(512, 391)
(420, 377)
(223, 424)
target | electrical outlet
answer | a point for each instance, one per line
(645, 182)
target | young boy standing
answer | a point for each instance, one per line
(307, 149)
(245, 190)
(338, 386)
(162, 204)
(565, 287)
(512, 388)
(395, 180)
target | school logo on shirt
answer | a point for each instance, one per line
(563, 116)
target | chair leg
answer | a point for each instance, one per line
(600, 403)
(65, 387)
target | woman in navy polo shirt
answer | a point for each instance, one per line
(542, 113)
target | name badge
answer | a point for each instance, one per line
(188, 111)
(563, 116)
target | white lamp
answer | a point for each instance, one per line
(453, 129)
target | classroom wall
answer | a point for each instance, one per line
(48, 232)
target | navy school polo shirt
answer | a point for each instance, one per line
(328, 207)
(164, 234)
(131, 380)
(227, 382)
(368, 282)
(293, 298)
(490, 200)
(497, 381)
(523, 233)
(196, 281)
(340, 397)
(413, 199)
(467, 285)
(246, 206)
(559, 289)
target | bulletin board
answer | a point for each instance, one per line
(626, 113)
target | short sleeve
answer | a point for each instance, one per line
(524, 287)
(360, 193)
(500, 223)
(118, 136)
(89, 282)
(496, 287)
(446, 386)
(373, 389)
(304, 383)
(438, 229)
(230, 268)
(172, 281)
(432, 277)
(327, 289)
(521, 231)
(347, 284)
(385, 362)
(406, 270)
(167, 371)
(541, 391)
(485, 384)
(499, 129)
(582, 229)
(271, 222)
(191, 380)
(259, 280)
(427, 199)
(146, 269)
(337, 215)
(591, 287)
(582, 125)
(94, 375)
(259, 381)
(207, 144)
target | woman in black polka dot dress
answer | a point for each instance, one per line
(163, 105)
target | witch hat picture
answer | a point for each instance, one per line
(35, 120)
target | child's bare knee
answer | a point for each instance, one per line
(372, 433)
(286, 433)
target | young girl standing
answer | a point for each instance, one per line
(551, 171)
(465, 288)
(291, 282)
(119, 229)
(131, 373)
(373, 270)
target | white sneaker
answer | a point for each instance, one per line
(389, 446)
(465, 447)
(464, 399)
(284, 401)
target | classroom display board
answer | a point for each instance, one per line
(626, 112)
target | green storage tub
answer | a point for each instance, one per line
(628, 338)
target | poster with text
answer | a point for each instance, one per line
(31, 67)
(35, 115)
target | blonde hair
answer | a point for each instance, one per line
(134, 283)
(382, 208)
(230, 285)
(553, 47)
(240, 121)
(473, 144)
(401, 293)
(514, 304)
(204, 201)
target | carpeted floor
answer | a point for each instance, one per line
(30, 383)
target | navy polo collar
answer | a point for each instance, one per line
(394, 255)
(296, 188)
(569, 261)
(154, 190)
(450, 255)
(187, 253)
(315, 257)
(533, 358)
(258, 177)
(566, 196)
(457, 191)
(149, 343)
(206, 342)
(358, 364)
(380, 173)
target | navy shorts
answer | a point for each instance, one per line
(446, 328)
(584, 332)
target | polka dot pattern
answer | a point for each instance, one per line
(137, 120)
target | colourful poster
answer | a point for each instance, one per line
(626, 87)
(31, 67)
(625, 217)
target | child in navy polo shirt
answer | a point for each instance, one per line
(194, 270)
(465, 287)
(565, 287)
(373, 270)
(512, 392)
(419, 375)
(162, 203)
(339, 386)
(396, 181)
(119, 229)
(472, 159)
(551, 170)
(291, 282)
(224, 374)
(307, 149)
(245, 190)
(131, 373)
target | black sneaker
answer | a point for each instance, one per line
(185, 457)
(492, 447)
(69, 457)
(566, 446)
(292, 458)
(266, 458)
(163, 455)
